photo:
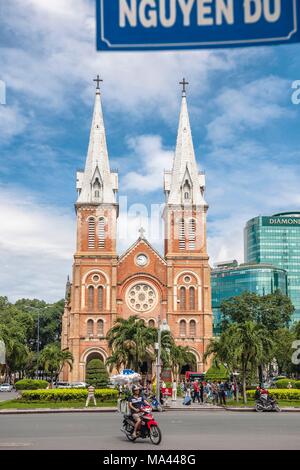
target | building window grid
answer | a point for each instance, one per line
(91, 233)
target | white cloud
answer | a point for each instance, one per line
(55, 49)
(12, 122)
(252, 106)
(255, 187)
(152, 160)
(36, 246)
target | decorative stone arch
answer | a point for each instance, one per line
(198, 357)
(175, 287)
(106, 287)
(140, 277)
(199, 362)
(84, 359)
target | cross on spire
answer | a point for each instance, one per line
(184, 83)
(142, 232)
(98, 80)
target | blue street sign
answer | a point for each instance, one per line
(124, 25)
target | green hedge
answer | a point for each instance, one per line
(29, 384)
(280, 394)
(214, 373)
(61, 394)
(283, 383)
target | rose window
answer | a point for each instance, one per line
(141, 297)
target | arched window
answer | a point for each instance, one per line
(182, 328)
(101, 234)
(192, 234)
(182, 298)
(151, 323)
(91, 233)
(91, 298)
(192, 298)
(100, 298)
(100, 328)
(187, 191)
(192, 328)
(97, 187)
(181, 235)
(90, 328)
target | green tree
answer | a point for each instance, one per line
(174, 356)
(273, 312)
(242, 347)
(283, 351)
(96, 374)
(52, 359)
(14, 328)
(130, 341)
(50, 320)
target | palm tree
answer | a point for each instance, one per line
(241, 346)
(130, 341)
(174, 356)
(53, 360)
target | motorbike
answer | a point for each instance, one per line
(149, 427)
(155, 405)
(266, 403)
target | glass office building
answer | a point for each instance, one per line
(230, 279)
(276, 240)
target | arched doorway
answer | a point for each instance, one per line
(94, 355)
(87, 356)
(96, 371)
(190, 367)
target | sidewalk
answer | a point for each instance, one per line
(59, 410)
(171, 406)
(178, 406)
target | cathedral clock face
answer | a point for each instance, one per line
(141, 260)
(141, 297)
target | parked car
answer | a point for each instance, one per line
(62, 385)
(78, 385)
(6, 388)
(279, 377)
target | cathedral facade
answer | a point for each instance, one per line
(105, 285)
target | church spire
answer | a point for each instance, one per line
(96, 184)
(184, 184)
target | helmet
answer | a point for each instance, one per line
(135, 387)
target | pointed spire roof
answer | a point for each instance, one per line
(184, 164)
(97, 175)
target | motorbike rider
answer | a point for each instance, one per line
(136, 401)
(257, 393)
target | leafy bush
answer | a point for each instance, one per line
(96, 374)
(30, 384)
(58, 395)
(283, 383)
(280, 394)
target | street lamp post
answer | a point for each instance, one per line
(161, 327)
(38, 337)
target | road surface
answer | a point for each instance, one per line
(198, 430)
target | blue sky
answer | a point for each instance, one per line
(246, 134)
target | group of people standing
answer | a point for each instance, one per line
(208, 392)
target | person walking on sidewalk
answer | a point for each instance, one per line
(196, 395)
(91, 396)
(222, 394)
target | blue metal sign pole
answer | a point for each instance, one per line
(131, 25)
